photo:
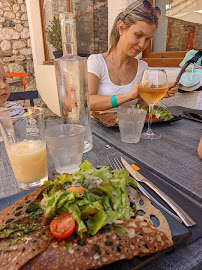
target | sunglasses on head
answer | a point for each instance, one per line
(148, 7)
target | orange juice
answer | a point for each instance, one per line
(152, 95)
(28, 160)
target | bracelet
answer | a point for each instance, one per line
(114, 102)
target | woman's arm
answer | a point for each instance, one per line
(100, 102)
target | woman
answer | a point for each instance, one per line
(113, 76)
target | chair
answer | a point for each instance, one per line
(31, 95)
(22, 75)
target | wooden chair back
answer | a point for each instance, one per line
(22, 75)
(31, 95)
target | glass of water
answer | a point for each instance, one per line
(131, 123)
(66, 145)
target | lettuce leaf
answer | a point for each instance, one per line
(49, 204)
(104, 200)
(111, 216)
(122, 203)
(94, 225)
(103, 172)
(52, 204)
(75, 212)
(87, 167)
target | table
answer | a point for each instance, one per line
(174, 155)
(171, 163)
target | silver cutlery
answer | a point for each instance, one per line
(116, 164)
(161, 104)
(188, 221)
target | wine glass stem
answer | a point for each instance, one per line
(149, 131)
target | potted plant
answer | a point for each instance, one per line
(54, 36)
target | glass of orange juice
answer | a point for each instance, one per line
(153, 86)
(23, 132)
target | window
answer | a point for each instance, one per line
(91, 24)
(179, 30)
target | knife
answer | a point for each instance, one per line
(188, 221)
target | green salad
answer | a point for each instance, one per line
(158, 112)
(162, 113)
(92, 197)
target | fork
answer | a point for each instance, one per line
(115, 163)
(161, 104)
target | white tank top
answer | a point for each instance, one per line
(98, 66)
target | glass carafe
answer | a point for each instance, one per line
(72, 84)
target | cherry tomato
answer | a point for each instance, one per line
(153, 115)
(62, 226)
(79, 190)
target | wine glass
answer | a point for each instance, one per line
(153, 86)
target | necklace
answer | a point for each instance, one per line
(117, 73)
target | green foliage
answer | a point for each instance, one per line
(54, 34)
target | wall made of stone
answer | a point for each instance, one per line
(15, 45)
(101, 28)
(85, 29)
(59, 6)
(183, 35)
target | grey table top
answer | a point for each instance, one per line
(173, 156)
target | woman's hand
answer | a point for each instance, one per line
(133, 93)
(172, 90)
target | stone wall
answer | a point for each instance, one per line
(59, 6)
(84, 26)
(85, 30)
(183, 35)
(101, 28)
(15, 45)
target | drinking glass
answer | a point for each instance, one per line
(131, 123)
(23, 132)
(66, 145)
(153, 86)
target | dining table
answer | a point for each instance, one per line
(171, 163)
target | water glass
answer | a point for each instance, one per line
(23, 132)
(131, 123)
(66, 145)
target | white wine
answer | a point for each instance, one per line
(152, 95)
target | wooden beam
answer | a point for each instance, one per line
(164, 55)
(43, 30)
(68, 6)
(163, 62)
(90, 10)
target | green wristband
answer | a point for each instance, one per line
(114, 102)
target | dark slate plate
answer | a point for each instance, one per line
(195, 115)
(160, 122)
(179, 233)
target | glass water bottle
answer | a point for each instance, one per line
(72, 84)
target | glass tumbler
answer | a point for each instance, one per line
(23, 132)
